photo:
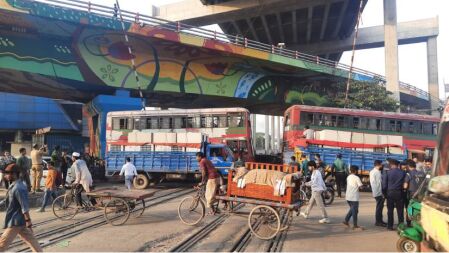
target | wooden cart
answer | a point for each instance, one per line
(118, 204)
(265, 220)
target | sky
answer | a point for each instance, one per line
(412, 58)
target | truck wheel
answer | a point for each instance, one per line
(141, 182)
(407, 245)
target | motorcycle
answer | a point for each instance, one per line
(305, 192)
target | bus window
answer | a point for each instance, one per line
(177, 122)
(398, 126)
(137, 124)
(333, 120)
(355, 122)
(309, 118)
(411, 127)
(434, 129)
(189, 122)
(203, 122)
(327, 120)
(154, 123)
(340, 121)
(214, 121)
(164, 123)
(378, 124)
(125, 123)
(427, 128)
(235, 121)
(287, 122)
(392, 126)
(222, 122)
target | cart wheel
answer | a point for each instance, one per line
(116, 211)
(407, 245)
(136, 209)
(264, 222)
(191, 210)
(64, 207)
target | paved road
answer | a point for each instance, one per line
(159, 229)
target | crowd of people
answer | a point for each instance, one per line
(23, 175)
(391, 181)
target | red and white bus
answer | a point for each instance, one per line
(417, 132)
(142, 130)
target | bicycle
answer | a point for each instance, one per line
(192, 209)
(65, 207)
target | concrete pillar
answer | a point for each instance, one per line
(267, 135)
(391, 48)
(253, 129)
(278, 133)
(18, 136)
(272, 133)
(432, 74)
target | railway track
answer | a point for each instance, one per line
(66, 231)
(188, 243)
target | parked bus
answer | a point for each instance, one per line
(134, 130)
(418, 132)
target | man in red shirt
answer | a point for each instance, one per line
(210, 177)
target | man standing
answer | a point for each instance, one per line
(393, 184)
(308, 133)
(17, 217)
(50, 185)
(427, 166)
(413, 181)
(339, 169)
(24, 164)
(64, 166)
(304, 167)
(375, 178)
(83, 178)
(56, 157)
(352, 197)
(210, 178)
(317, 184)
(37, 167)
(320, 164)
(130, 171)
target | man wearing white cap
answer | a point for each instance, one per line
(83, 178)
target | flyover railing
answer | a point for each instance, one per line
(144, 20)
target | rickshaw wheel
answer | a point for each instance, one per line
(264, 222)
(116, 211)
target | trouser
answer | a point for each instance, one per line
(395, 200)
(48, 193)
(128, 181)
(79, 198)
(36, 176)
(26, 177)
(4, 180)
(340, 178)
(9, 234)
(64, 174)
(406, 196)
(380, 200)
(353, 212)
(211, 190)
(316, 197)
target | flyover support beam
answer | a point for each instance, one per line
(253, 130)
(278, 134)
(272, 134)
(267, 134)
(432, 74)
(96, 112)
(391, 48)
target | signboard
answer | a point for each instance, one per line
(43, 130)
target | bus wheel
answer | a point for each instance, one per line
(141, 181)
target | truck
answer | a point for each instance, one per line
(156, 166)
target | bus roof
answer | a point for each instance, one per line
(170, 112)
(366, 113)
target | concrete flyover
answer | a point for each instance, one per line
(75, 50)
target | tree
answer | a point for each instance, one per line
(364, 95)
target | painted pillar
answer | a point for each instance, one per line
(96, 112)
(432, 74)
(272, 135)
(267, 135)
(391, 48)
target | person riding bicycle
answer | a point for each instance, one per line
(210, 178)
(83, 178)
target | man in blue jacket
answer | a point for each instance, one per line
(393, 185)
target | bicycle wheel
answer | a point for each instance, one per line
(64, 207)
(136, 209)
(191, 210)
(264, 222)
(116, 212)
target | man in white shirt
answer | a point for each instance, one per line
(83, 178)
(317, 184)
(375, 179)
(353, 183)
(129, 170)
(308, 133)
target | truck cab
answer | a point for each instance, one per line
(221, 157)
